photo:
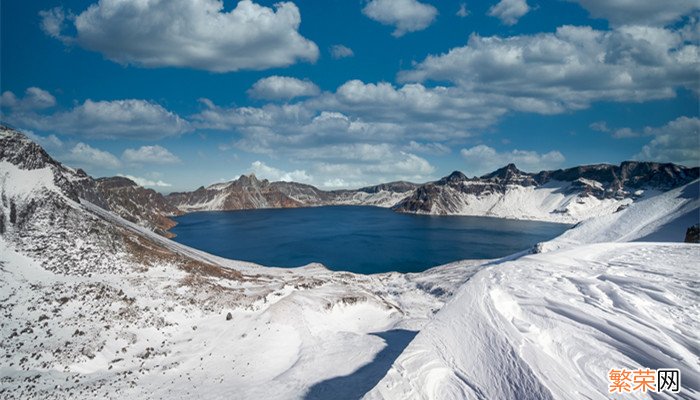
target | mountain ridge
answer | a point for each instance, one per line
(563, 195)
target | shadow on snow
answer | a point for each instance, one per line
(355, 385)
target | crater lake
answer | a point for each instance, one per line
(359, 239)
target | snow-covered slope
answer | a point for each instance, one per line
(552, 324)
(568, 196)
(94, 306)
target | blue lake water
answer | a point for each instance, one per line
(354, 238)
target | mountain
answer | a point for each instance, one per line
(248, 192)
(96, 306)
(569, 195)
(134, 203)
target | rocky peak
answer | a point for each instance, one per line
(116, 182)
(249, 180)
(19, 150)
(454, 177)
(505, 173)
(510, 174)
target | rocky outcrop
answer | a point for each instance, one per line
(692, 235)
(145, 207)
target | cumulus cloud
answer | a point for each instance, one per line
(129, 119)
(50, 143)
(53, 22)
(462, 11)
(262, 170)
(405, 15)
(34, 99)
(482, 159)
(85, 156)
(569, 69)
(599, 126)
(678, 141)
(188, 33)
(509, 11)
(282, 88)
(149, 155)
(339, 51)
(362, 165)
(146, 182)
(639, 12)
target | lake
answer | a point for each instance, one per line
(360, 239)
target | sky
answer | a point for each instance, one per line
(178, 94)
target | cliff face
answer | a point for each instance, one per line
(145, 207)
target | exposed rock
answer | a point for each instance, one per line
(692, 235)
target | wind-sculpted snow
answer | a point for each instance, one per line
(552, 326)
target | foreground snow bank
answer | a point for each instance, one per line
(552, 325)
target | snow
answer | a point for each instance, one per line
(83, 317)
(24, 184)
(553, 202)
(552, 325)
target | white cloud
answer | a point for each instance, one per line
(462, 12)
(509, 11)
(568, 69)
(427, 148)
(129, 119)
(482, 159)
(623, 133)
(189, 33)
(339, 51)
(678, 141)
(53, 22)
(34, 99)
(146, 182)
(282, 88)
(83, 155)
(405, 15)
(49, 143)
(642, 12)
(262, 170)
(600, 126)
(149, 155)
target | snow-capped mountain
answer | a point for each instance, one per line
(569, 195)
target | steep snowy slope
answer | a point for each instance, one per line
(551, 325)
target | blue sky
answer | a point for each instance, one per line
(346, 93)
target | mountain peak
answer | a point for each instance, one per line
(455, 176)
(505, 173)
